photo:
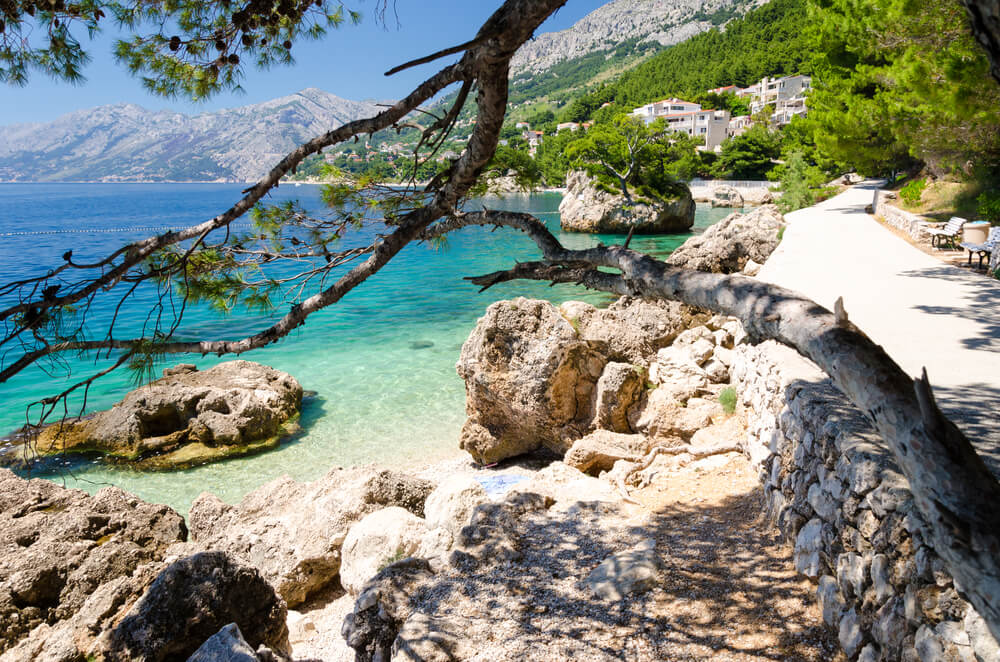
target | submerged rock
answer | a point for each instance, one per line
(587, 208)
(187, 418)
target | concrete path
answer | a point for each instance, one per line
(924, 312)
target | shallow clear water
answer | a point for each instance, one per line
(381, 362)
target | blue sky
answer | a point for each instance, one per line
(349, 62)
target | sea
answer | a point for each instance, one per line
(378, 367)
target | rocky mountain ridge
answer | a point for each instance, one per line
(127, 143)
(665, 21)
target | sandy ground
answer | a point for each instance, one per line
(727, 588)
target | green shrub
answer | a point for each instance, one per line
(989, 206)
(727, 398)
(912, 192)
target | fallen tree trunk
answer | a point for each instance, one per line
(953, 488)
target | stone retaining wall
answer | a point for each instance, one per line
(911, 224)
(833, 489)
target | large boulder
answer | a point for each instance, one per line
(631, 330)
(727, 246)
(187, 418)
(726, 196)
(378, 540)
(190, 601)
(292, 532)
(587, 207)
(58, 547)
(451, 503)
(529, 380)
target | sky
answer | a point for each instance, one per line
(348, 62)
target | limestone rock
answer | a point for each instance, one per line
(627, 572)
(226, 645)
(678, 373)
(382, 607)
(451, 503)
(210, 591)
(631, 330)
(599, 450)
(619, 388)
(759, 196)
(529, 381)
(379, 539)
(662, 417)
(565, 484)
(725, 196)
(292, 532)
(727, 246)
(58, 547)
(587, 208)
(187, 418)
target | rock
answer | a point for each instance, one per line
(758, 196)
(830, 600)
(451, 503)
(725, 196)
(187, 418)
(210, 591)
(226, 645)
(382, 607)
(378, 540)
(727, 246)
(852, 572)
(631, 330)
(678, 373)
(292, 532)
(529, 381)
(662, 417)
(730, 430)
(849, 633)
(58, 547)
(618, 389)
(809, 545)
(869, 653)
(984, 646)
(625, 573)
(751, 268)
(563, 484)
(599, 451)
(588, 208)
(939, 644)
(440, 638)
(301, 627)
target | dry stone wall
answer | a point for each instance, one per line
(834, 490)
(911, 224)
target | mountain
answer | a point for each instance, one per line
(662, 22)
(124, 142)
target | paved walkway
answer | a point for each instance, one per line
(924, 312)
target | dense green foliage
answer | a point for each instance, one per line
(768, 41)
(900, 83)
(989, 206)
(750, 155)
(628, 156)
(912, 192)
(179, 47)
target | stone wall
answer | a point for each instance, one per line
(833, 489)
(911, 224)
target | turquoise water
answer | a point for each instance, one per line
(381, 362)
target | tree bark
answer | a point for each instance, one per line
(984, 17)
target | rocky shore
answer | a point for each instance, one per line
(587, 207)
(612, 504)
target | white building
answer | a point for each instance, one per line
(690, 118)
(739, 124)
(652, 111)
(787, 95)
